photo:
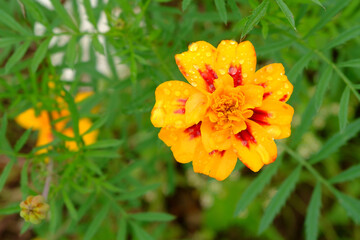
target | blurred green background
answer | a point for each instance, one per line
(122, 50)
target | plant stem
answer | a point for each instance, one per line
(50, 166)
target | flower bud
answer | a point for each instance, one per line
(34, 209)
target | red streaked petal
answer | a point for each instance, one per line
(254, 146)
(215, 139)
(275, 117)
(237, 60)
(169, 109)
(216, 164)
(276, 85)
(197, 65)
(183, 142)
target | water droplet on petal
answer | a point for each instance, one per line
(193, 47)
(167, 91)
(245, 75)
(177, 93)
(222, 71)
(269, 69)
(208, 54)
(241, 61)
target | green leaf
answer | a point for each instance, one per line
(273, 47)
(70, 206)
(318, 3)
(95, 224)
(74, 115)
(336, 141)
(140, 233)
(122, 233)
(33, 8)
(11, 209)
(97, 124)
(70, 55)
(255, 17)
(101, 154)
(299, 67)
(279, 199)
(5, 173)
(221, 8)
(344, 37)
(24, 187)
(152, 217)
(22, 140)
(327, 16)
(312, 214)
(344, 106)
(7, 20)
(137, 192)
(39, 55)
(5, 42)
(351, 63)
(322, 86)
(285, 9)
(347, 175)
(25, 227)
(90, 12)
(350, 204)
(17, 55)
(60, 10)
(257, 186)
(185, 4)
(264, 29)
(109, 143)
(306, 121)
(97, 45)
(3, 128)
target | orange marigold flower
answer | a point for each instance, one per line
(28, 119)
(229, 111)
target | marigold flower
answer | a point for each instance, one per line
(34, 209)
(229, 111)
(28, 119)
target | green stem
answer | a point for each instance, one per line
(310, 168)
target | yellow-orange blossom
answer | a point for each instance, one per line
(229, 111)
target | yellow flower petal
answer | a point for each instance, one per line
(276, 85)
(169, 109)
(216, 164)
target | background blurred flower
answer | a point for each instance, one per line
(42, 122)
(34, 209)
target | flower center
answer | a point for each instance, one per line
(227, 107)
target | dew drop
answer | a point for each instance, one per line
(244, 75)
(208, 54)
(241, 61)
(193, 47)
(177, 93)
(167, 91)
(222, 71)
(269, 69)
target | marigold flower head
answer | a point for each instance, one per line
(34, 209)
(228, 110)
(42, 122)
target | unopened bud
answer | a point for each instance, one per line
(34, 209)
